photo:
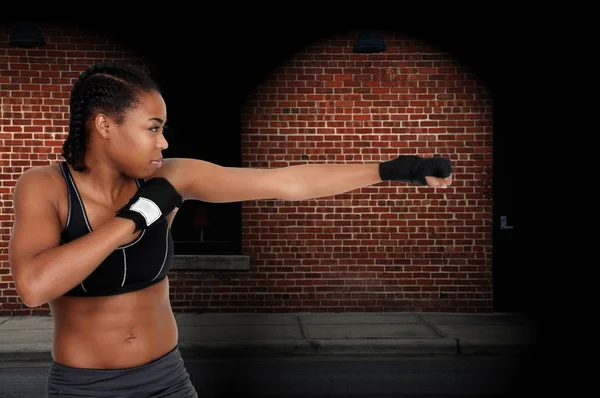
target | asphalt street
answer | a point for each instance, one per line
(420, 376)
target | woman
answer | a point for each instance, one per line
(91, 234)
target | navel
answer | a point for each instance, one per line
(130, 337)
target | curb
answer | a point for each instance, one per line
(493, 347)
(300, 347)
(25, 352)
(317, 347)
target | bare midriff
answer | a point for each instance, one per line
(114, 332)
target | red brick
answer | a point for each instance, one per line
(391, 246)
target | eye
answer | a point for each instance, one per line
(155, 128)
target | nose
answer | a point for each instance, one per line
(163, 143)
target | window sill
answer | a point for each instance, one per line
(211, 262)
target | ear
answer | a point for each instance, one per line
(102, 125)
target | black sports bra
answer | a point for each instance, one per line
(134, 266)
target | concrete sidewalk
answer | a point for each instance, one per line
(24, 338)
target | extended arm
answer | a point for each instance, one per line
(201, 180)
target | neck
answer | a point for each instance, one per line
(103, 178)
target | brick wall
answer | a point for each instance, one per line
(34, 97)
(389, 247)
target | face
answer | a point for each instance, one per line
(136, 145)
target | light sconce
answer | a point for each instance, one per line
(26, 35)
(369, 42)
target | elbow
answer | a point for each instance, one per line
(28, 294)
(33, 303)
(31, 300)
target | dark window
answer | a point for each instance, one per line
(206, 130)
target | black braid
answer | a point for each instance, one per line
(109, 88)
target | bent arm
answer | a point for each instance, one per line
(41, 269)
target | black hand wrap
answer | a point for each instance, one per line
(414, 169)
(152, 202)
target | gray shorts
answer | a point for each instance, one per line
(163, 377)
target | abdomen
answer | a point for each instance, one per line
(114, 332)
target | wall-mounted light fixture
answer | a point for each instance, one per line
(369, 42)
(26, 35)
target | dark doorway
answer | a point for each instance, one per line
(515, 270)
(206, 127)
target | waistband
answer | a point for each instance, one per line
(164, 374)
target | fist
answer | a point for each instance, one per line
(436, 182)
(434, 172)
(437, 172)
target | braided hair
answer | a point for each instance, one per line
(109, 88)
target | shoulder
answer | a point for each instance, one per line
(171, 169)
(48, 175)
(45, 180)
(179, 171)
